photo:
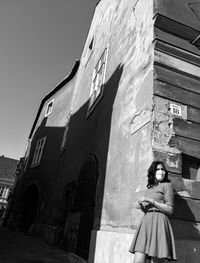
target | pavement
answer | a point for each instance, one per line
(17, 247)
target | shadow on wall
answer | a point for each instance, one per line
(186, 227)
(88, 137)
(59, 175)
(43, 175)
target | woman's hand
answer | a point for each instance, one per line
(139, 205)
(146, 199)
(162, 207)
(143, 202)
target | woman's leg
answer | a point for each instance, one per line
(157, 260)
(139, 257)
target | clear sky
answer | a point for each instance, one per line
(40, 41)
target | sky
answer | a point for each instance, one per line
(40, 41)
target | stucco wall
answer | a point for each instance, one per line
(149, 66)
(118, 131)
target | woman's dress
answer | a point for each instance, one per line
(154, 235)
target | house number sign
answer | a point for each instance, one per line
(175, 109)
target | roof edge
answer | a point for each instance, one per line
(64, 81)
(57, 88)
(97, 3)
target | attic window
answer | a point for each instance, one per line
(49, 108)
(91, 44)
(190, 167)
(89, 50)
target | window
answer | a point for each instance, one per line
(64, 139)
(1, 191)
(91, 44)
(49, 108)
(98, 80)
(38, 152)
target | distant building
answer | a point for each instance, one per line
(133, 98)
(7, 170)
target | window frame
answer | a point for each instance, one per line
(37, 156)
(48, 112)
(98, 80)
(1, 191)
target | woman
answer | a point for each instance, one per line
(154, 237)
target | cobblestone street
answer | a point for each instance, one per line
(17, 247)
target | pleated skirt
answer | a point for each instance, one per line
(154, 237)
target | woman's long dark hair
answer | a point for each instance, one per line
(152, 174)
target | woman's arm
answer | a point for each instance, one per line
(168, 209)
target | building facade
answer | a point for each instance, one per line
(133, 98)
(32, 204)
(7, 170)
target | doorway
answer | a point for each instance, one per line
(85, 204)
(29, 207)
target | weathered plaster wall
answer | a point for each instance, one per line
(129, 152)
(174, 136)
(119, 129)
(176, 82)
(176, 123)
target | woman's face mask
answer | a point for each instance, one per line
(160, 173)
